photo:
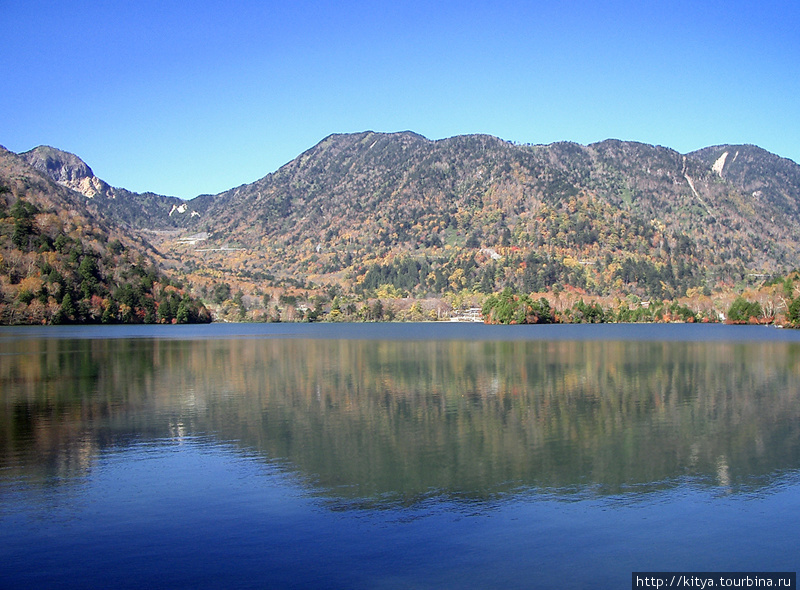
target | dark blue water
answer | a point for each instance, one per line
(435, 456)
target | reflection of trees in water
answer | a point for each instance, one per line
(408, 418)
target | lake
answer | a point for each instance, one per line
(395, 455)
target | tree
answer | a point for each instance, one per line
(508, 307)
(182, 315)
(221, 292)
(89, 272)
(61, 243)
(591, 314)
(742, 310)
(23, 214)
(793, 313)
(116, 246)
(110, 313)
(377, 310)
(67, 307)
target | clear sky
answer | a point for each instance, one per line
(183, 98)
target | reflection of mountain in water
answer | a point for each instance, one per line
(400, 419)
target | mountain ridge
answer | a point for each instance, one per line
(474, 212)
(70, 170)
(133, 210)
(344, 174)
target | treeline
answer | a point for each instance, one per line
(509, 307)
(313, 306)
(466, 270)
(54, 273)
(534, 271)
(774, 302)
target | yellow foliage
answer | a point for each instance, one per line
(31, 284)
(571, 262)
(692, 292)
(457, 280)
(388, 292)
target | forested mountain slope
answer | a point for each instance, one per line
(59, 263)
(365, 210)
(609, 216)
(771, 181)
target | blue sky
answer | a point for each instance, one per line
(183, 98)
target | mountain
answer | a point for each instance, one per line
(396, 213)
(613, 216)
(61, 263)
(771, 181)
(132, 210)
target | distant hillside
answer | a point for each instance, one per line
(476, 212)
(772, 182)
(365, 212)
(120, 206)
(59, 263)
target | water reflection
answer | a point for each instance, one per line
(397, 421)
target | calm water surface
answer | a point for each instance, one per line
(395, 456)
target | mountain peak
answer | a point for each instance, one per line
(143, 210)
(67, 170)
(59, 165)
